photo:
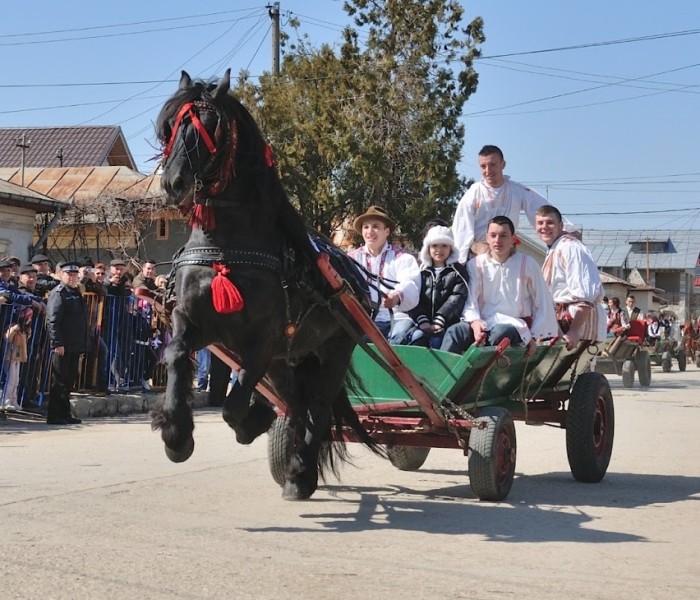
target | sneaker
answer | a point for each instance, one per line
(12, 407)
(145, 385)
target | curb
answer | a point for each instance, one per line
(85, 406)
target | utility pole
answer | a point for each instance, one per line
(23, 144)
(647, 282)
(274, 12)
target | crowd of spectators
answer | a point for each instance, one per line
(125, 340)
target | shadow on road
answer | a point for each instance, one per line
(542, 508)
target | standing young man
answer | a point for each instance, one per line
(496, 194)
(380, 258)
(573, 278)
(508, 297)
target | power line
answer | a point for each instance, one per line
(644, 38)
(122, 34)
(129, 24)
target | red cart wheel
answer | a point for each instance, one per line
(590, 428)
(492, 453)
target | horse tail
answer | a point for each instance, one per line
(345, 414)
(333, 453)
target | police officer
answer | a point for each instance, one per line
(67, 322)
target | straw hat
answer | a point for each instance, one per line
(374, 212)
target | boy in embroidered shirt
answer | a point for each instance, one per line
(573, 278)
(443, 288)
(380, 258)
(508, 297)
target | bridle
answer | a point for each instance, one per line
(224, 143)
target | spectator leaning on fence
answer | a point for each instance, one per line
(30, 370)
(67, 322)
(45, 281)
(13, 294)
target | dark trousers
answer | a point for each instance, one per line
(219, 377)
(460, 336)
(63, 377)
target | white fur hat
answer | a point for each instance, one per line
(438, 235)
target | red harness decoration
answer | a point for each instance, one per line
(187, 109)
(225, 295)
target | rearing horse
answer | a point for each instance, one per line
(275, 312)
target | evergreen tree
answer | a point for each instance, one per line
(377, 123)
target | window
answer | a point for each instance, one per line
(650, 246)
(162, 229)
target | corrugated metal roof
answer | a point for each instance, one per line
(15, 195)
(83, 146)
(147, 188)
(83, 183)
(608, 256)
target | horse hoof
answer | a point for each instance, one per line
(291, 491)
(181, 455)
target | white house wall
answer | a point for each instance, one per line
(16, 231)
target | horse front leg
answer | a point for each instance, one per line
(173, 415)
(246, 419)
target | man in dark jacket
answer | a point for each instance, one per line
(67, 322)
(45, 282)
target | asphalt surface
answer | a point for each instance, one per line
(97, 511)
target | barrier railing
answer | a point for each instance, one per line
(120, 354)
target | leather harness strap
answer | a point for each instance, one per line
(206, 256)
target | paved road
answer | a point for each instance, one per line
(97, 511)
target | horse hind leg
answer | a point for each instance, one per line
(173, 415)
(311, 401)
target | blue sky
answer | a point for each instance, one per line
(609, 132)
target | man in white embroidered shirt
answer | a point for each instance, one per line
(573, 278)
(382, 259)
(496, 194)
(508, 297)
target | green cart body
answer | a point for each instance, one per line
(664, 352)
(412, 399)
(627, 355)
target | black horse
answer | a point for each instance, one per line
(275, 311)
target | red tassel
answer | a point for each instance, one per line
(269, 158)
(225, 296)
(203, 217)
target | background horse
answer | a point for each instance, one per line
(275, 312)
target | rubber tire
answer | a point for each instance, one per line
(682, 361)
(628, 373)
(643, 364)
(590, 428)
(407, 458)
(492, 454)
(666, 365)
(279, 449)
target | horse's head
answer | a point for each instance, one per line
(206, 135)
